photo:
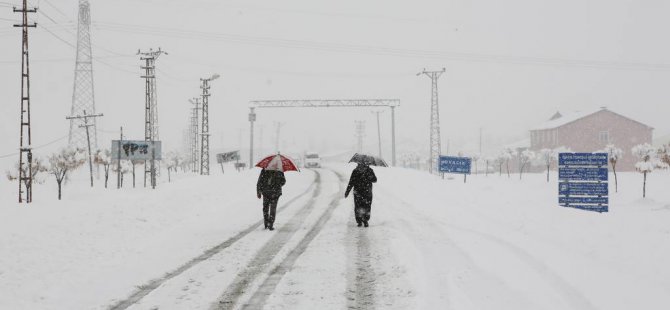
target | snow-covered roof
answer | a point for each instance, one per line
(574, 116)
(565, 119)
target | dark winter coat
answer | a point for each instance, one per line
(361, 181)
(270, 183)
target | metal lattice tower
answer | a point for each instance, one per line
(83, 98)
(25, 144)
(435, 144)
(204, 142)
(150, 105)
(360, 133)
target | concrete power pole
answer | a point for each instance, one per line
(379, 133)
(252, 119)
(435, 145)
(204, 143)
(360, 133)
(86, 127)
(195, 120)
(278, 126)
(25, 144)
(150, 107)
(83, 98)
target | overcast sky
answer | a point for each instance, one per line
(509, 66)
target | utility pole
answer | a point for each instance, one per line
(195, 120)
(480, 141)
(435, 145)
(252, 119)
(151, 106)
(25, 144)
(204, 144)
(118, 162)
(83, 92)
(278, 126)
(260, 139)
(393, 135)
(379, 133)
(86, 126)
(360, 133)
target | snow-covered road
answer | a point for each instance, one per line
(492, 243)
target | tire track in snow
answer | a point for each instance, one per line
(361, 284)
(152, 285)
(260, 297)
(570, 294)
(264, 256)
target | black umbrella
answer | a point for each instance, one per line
(368, 160)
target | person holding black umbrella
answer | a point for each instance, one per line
(361, 182)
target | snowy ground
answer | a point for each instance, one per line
(196, 243)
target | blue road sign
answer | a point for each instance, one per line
(582, 174)
(582, 159)
(451, 164)
(581, 188)
(582, 200)
(583, 181)
(595, 208)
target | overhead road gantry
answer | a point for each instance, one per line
(322, 103)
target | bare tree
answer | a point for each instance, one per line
(476, 157)
(614, 154)
(63, 161)
(503, 158)
(664, 154)
(36, 168)
(548, 156)
(173, 161)
(126, 167)
(648, 162)
(524, 157)
(104, 158)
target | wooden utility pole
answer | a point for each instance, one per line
(86, 125)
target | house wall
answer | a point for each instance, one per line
(594, 132)
(544, 139)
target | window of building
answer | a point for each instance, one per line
(604, 136)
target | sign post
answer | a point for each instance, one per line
(222, 158)
(583, 181)
(137, 150)
(458, 165)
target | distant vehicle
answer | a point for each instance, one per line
(312, 160)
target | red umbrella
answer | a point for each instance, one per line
(277, 162)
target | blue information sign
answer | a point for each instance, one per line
(451, 164)
(582, 159)
(590, 189)
(583, 181)
(582, 174)
(582, 200)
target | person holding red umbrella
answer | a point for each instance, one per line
(270, 183)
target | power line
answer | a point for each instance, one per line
(56, 8)
(375, 50)
(37, 147)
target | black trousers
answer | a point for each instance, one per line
(269, 209)
(362, 207)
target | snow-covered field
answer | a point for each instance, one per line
(492, 243)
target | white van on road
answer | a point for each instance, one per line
(312, 160)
